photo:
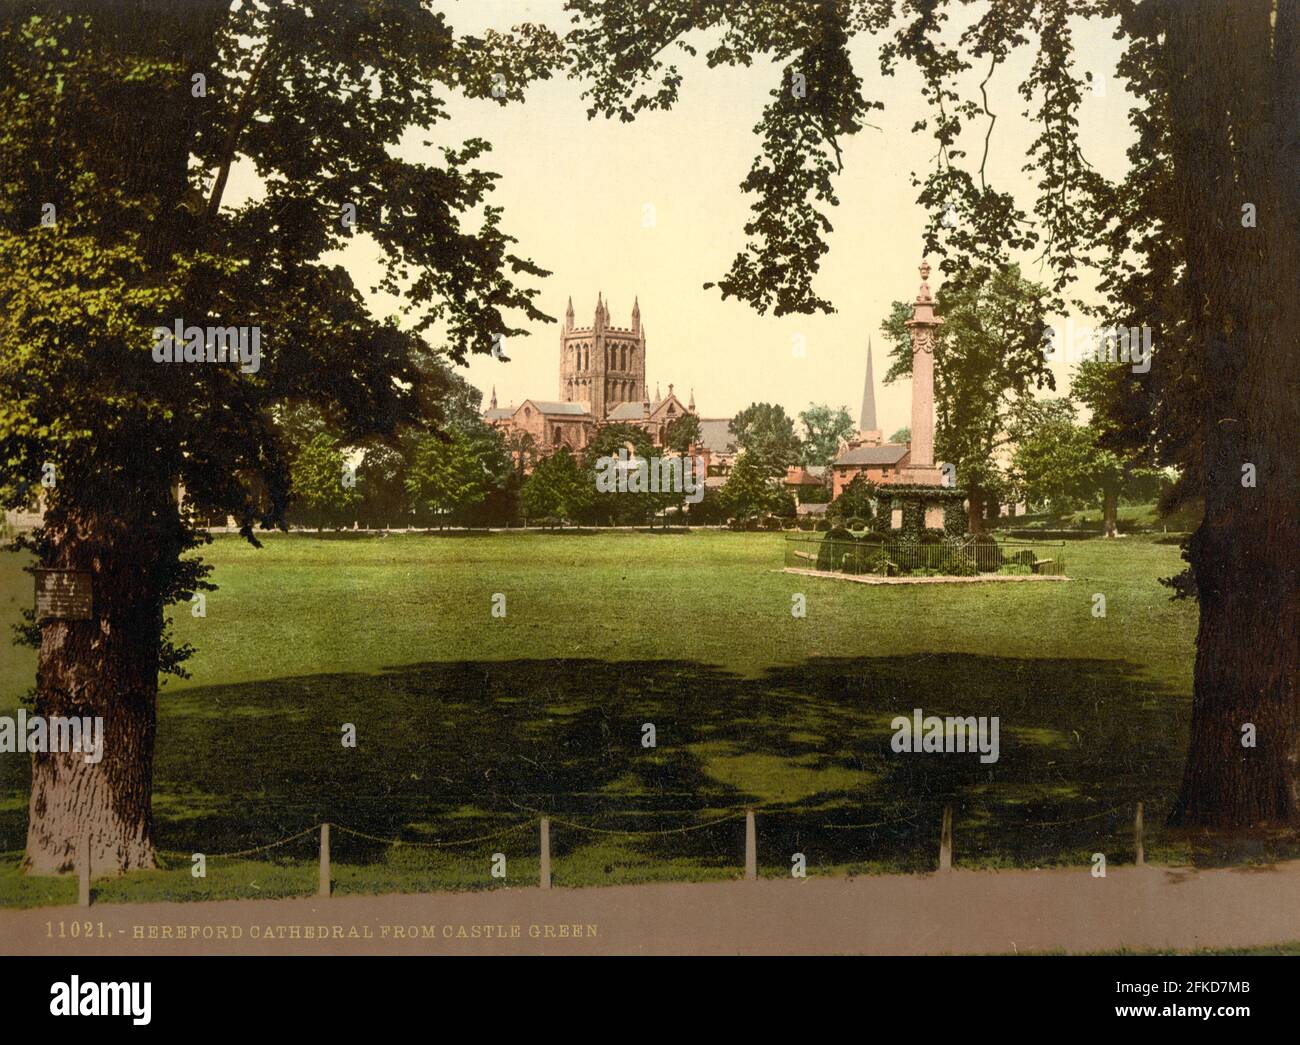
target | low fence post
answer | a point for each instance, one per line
(83, 872)
(945, 841)
(751, 848)
(544, 874)
(324, 889)
(1138, 845)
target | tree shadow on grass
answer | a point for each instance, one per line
(454, 751)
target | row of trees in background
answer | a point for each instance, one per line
(458, 470)
(468, 473)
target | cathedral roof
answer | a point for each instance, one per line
(716, 436)
(498, 413)
(633, 411)
(630, 411)
(548, 407)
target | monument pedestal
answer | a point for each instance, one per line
(921, 476)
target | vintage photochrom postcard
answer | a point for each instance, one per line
(650, 477)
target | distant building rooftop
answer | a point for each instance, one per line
(631, 411)
(547, 407)
(890, 453)
(715, 435)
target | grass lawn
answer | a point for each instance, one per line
(469, 725)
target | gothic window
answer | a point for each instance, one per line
(559, 435)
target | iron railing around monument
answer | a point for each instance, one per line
(884, 556)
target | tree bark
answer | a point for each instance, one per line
(1235, 130)
(106, 667)
(1110, 512)
(975, 510)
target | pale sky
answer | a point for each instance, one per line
(575, 192)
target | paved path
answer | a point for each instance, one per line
(961, 912)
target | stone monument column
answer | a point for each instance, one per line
(924, 324)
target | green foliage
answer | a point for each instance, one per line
(451, 475)
(913, 524)
(1062, 463)
(751, 490)
(318, 472)
(623, 508)
(99, 119)
(381, 479)
(857, 499)
(902, 437)
(557, 488)
(824, 430)
(682, 432)
(955, 520)
(765, 432)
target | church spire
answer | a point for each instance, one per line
(568, 315)
(636, 315)
(494, 397)
(867, 422)
(691, 405)
(600, 312)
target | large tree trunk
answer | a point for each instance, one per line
(106, 667)
(975, 510)
(1236, 128)
(1110, 512)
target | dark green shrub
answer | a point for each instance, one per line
(961, 565)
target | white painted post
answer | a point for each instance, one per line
(751, 848)
(945, 841)
(83, 872)
(544, 875)
(324, 889)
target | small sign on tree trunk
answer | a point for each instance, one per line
(63, 595)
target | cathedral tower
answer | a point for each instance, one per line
(602, 365)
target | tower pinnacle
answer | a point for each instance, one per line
(867, 422)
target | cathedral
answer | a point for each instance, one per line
(602, 381)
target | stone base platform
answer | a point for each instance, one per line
(867, 578)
